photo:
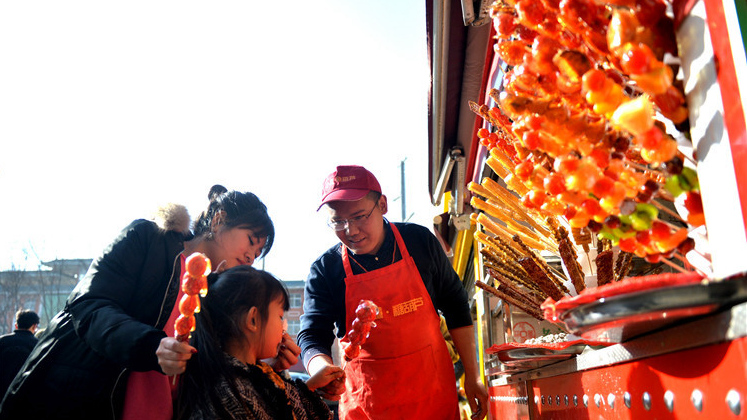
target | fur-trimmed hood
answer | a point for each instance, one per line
(174, 217)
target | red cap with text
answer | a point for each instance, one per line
(348, 183)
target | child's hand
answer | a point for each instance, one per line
(287, 354)
(330, 381)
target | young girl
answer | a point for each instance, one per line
(240, 323)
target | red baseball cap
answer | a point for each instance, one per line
(348, 183)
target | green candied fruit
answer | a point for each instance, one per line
(673, 185)
(622, 234)
(606, 233)
(647, 208)
(691, 177)
(640, 221)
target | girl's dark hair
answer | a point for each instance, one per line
(220, 321)
(240, 209)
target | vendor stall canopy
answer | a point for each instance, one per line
(459, 56)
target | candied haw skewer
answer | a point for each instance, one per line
(194, 284)
(365, 314)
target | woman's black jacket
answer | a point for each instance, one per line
(112, 323)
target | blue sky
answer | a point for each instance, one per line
(108, 110)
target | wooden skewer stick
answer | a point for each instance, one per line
(639, 167)
(682, 258)
(673, 265)
(690, 158)
(668, 211)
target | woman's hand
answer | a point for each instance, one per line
(330, 380)
(173, 355)
(287, 355)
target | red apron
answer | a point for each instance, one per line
(404, 370)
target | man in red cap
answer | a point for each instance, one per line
(404, 369)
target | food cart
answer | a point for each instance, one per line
(664, 339)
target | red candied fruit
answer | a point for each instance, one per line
(653, 258)
(530, 11)
(505, 24)
(184, 324)
(649, 12)
(603, 187)
(612, 222)
(554, 184)
(525, 34)
(569, 212)
(483, 133)
(534, 121)
(637, 58)
(660, 231)
(593, 80)
(651, 139)
(611, 174)
(191, 285)
(565, 165)
(526, 201)
(591, 206)
(188, 304)
(600, 156)
(643, 236)
(537, 197)
(693, 202)
(197, 264)
(524, 169)
(686, 246)
(531, 139)
(594, 226)
(627, 244)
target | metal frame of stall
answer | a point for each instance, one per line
(696, 368)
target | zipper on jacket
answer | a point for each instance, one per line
(160, 313)
(168, 286)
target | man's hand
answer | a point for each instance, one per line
(173, 355)
(477, 397)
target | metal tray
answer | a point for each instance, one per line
(621, 313)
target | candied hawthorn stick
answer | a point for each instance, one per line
(500, 245)
(194, 284)
(568, 255)
(497, 229)
(529, 309)
(540, 278)
(535, 297)
(605, 269)
(542, 264)
(623, 264)
(365, 314)
(510, 200)
(513, 272)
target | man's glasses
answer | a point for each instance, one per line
(340, 225)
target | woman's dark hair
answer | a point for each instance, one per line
(220, 321)
(240, 209)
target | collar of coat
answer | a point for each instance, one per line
(174, 217)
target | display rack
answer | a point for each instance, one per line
(692, 370)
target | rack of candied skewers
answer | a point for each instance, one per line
(591, 164)
(589, 147)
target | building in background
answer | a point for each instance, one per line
(43, 291)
